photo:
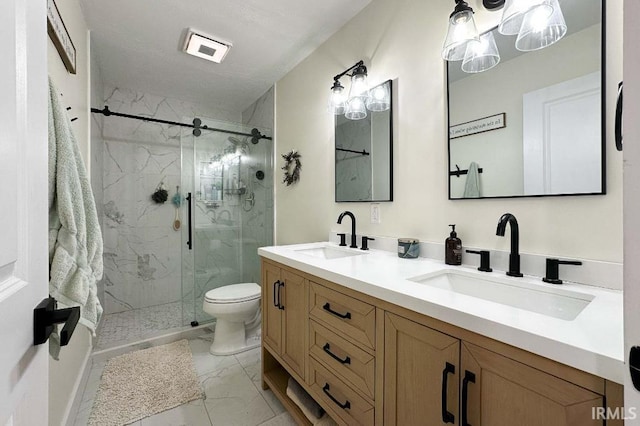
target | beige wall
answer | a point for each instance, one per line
(64, 375)
(402, 40)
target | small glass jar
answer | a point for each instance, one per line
(408, 248)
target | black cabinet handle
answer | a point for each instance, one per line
(468, 377)
(326, 390)
(189, 242)
(327, 307)
(280, 305)
(327, 349)
(276, 287)
(619, 118)
(447, 417)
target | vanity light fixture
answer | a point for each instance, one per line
(360, 99)
(541, 29)
(515, 11)
(462, 29)
(481, 55)
(538, 24)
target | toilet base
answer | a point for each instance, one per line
(232, 338)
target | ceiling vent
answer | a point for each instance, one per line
(206, 47)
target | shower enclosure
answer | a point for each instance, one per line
(154, 284)
(227, 178)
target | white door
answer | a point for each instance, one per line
(23, 210)
(631, 151)
(562, 137)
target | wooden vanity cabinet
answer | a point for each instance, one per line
(369, 362)
(430, 377)
(421, 374)
(285, 313)
(495, 390)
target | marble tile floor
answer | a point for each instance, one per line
(231, 385)
(127, 327)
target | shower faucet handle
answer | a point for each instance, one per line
(343, 239)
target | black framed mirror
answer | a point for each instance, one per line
(534, 125)
(364, 156)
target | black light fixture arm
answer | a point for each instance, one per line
(348, 70)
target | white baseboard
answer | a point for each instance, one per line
(78, 388)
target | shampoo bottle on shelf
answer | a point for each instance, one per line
(453, 248)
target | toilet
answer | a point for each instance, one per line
(237, 311)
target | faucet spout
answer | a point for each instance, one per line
(353, 226)
(514, 256)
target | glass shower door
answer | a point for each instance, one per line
(231, 212)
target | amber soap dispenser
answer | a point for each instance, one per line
(453, 248)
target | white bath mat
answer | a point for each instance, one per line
(145, 382)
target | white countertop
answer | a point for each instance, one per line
(592, 342)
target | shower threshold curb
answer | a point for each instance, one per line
(186, 333)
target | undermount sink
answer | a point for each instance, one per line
(328, 252)
(558, 303)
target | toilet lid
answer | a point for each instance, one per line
(234, 293)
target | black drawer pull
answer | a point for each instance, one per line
(344, 406)
(327, 349)
(447, 417)
(280, 305)
(276, 287)
(327, 307)
(468, 377)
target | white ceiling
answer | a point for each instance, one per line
(139, 44)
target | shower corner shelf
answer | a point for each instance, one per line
(240, 191)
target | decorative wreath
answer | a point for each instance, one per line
(291, 177)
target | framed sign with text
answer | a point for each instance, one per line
(60, 37)
(481, 125)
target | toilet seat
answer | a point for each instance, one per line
(235, 293)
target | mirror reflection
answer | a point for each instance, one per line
(364, 155)
(532, 125)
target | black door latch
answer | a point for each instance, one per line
(46, 316)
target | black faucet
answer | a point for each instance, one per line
(552, 275)
(514, 256)
(353, 226)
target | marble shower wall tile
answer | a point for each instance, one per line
(260, 113)
(132, 102)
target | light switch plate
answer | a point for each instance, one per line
(375, 213)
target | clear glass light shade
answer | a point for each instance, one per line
(356, 109)
(481, 55)
(379, 98)
(515, 11)
(462, 29)
(359, 86)
(540, 30)
(337, 100)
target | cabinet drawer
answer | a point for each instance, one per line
(355, 319)
(347, 360)
(337, 396)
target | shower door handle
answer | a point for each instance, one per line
(189, 241)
